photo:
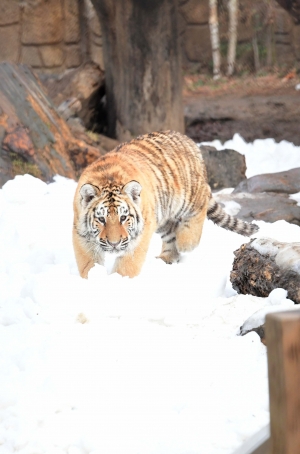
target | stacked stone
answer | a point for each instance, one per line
(49, 35)
(195, 34)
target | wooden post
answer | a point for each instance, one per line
(283, 341)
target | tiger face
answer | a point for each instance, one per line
(111, 218)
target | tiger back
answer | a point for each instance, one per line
(155, 183)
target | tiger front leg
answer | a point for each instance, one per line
(130, 264)
(84, 258)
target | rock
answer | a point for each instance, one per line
(40, 21)
(71, 16)
(11, 49)
(265, 264)
(34, 138)
(73, 55)
(9, 12)
(225, 168)
(31, 56)
(194, 35)
(287, 182)
(268, 207)
(52, 56)
(195, 12)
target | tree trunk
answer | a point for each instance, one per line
(293, 7)
(142, 63)
(269, 45)
(255, 52)
(34, 138)
(265, 264)
(232, 39)
(214, 37)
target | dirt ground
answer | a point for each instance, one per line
(255, 107)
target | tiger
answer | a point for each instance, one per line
(157, 182)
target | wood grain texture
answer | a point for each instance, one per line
(283, 340)
(142, 66)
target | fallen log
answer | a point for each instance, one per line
(34, 138)
(264, 264)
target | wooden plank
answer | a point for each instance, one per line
(283, 341)
(259, 443)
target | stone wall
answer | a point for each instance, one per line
(195, 35)
(55, 35)
(50, 35)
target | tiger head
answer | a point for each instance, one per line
(110, 216)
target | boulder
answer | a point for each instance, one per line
(225, 168)
(34, 138)
(287, 182)
(268, 207)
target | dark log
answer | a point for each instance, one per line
(80, 91)
(34, 138)
(258, 273)
(142, 66)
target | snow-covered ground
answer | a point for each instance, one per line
(112, 365)
(263, 156)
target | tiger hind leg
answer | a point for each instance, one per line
(189, 231)
(169, 253)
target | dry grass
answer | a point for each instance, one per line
(197, 84)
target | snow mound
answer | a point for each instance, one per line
(263, 155)
(115, 365)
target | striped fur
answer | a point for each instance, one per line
(216, 213)
(155, 183)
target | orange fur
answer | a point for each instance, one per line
(155, 183)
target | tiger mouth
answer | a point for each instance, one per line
(111, 247)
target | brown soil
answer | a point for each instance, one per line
(254, 107)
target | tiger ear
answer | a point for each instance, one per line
(133, 190)
(88, 192)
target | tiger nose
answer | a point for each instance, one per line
(114, 243)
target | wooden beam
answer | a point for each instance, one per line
(283, 341)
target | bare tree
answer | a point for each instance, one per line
(255, 19)
(232, 35)
(214, 36)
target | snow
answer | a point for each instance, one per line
(277, 300)
(296, 197)
(263, 155)
(287, 255)
(113, 365)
